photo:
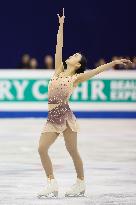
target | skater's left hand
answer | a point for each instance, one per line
(121, 61)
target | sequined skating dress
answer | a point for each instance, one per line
(60, 88)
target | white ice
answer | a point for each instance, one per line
(108, 151)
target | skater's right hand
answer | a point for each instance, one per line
(61, 18)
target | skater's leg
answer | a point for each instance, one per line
(70, 138)
(46, 140)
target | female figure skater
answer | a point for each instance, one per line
(60, 117)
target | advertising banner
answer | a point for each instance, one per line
(27, 90)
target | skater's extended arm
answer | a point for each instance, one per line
(89, 74)
(58, 55)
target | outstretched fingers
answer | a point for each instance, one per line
(61, 18)
(62, 15)
(125, 61)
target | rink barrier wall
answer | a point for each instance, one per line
(111, 94)
(100, 114)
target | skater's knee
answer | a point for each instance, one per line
(42, 149)
(72, 150)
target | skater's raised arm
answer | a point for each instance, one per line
(89, 74)
(58, 55)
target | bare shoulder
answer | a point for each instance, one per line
(76, 79)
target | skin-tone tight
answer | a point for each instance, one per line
(70, 138)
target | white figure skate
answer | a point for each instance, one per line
(77, 189)
(51, 191)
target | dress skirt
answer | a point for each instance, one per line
(57, 117)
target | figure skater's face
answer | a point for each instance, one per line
(74, 60)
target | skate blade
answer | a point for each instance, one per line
(49, 195)
(81, 194)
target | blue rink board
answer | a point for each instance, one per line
(78, 114)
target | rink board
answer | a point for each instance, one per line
(111, 94)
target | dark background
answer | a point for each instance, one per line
(97, 28)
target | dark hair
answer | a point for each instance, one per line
(83, 63)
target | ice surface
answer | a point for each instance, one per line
(108, 150)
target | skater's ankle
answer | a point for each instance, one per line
(50, 177)
(80, 178)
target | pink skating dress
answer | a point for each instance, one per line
(60, 88)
